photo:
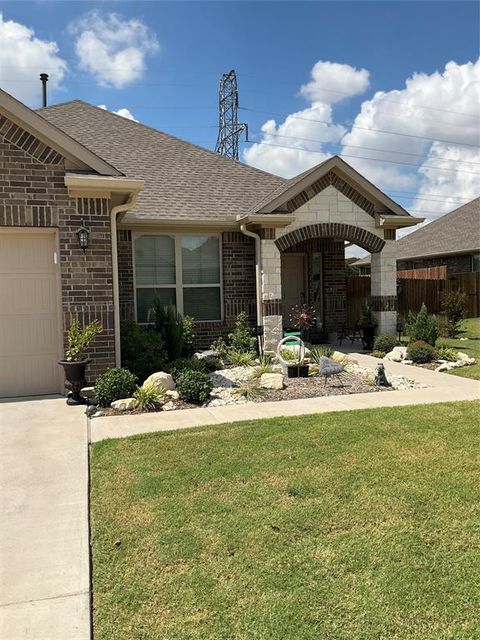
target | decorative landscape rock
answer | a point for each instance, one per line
(343, 358)
(126, 404)
(397, 354)
(160, 380)
(87, 392)
(271, 381)
(173, 395)
(227, 378)
(168, 406)
(463, 360)
(202, 355)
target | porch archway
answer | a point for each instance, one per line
(361, 237)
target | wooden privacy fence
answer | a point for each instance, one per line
(412, 292)
(426, 273)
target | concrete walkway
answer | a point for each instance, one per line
(44, 550)
(442, 387)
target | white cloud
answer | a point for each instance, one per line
(23, 57)
(307, 131)
(111, 48)
(124, 112)
(332, 82)
(451, 93)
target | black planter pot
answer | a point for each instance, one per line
(368, 336)
(75, 379)
(295, 371)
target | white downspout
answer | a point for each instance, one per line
(121, 208)
(258, 275)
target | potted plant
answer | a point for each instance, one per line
(75, 362)
(291, 361)
(368, 324)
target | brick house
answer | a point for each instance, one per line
(452, 241)
(170, 219)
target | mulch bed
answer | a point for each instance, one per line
(294, 389)
(315, 387)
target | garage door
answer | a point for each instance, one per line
(29, 332)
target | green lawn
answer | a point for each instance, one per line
(355, 525)
(470, 330)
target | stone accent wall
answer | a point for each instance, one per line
(343, 187)
(239, 290)
(33, 194)
(454, 264)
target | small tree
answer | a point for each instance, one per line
(454, 306)
(79, 339)
(422, 326)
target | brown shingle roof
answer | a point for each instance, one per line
(182, 180)
(456, 232)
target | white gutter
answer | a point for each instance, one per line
(120, 208)
(258, 275)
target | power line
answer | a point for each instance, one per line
(354, 126)
(344, 155)
(353, 146)
(248, 75)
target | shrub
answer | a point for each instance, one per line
(211, 363)
(421, 352)
(322, 350)
(149, 398)
(114, 384)
(249, 391)
(240, 358)
(79, 339)
(143, 349)
(177, 367)
(194, 386)
(188, 327)
(445, 352)
(242, 339)
(378, 354)
(169, 325)
(265, 366)
(422, 326)
(384, 343)
(220, 346)
(454, 306)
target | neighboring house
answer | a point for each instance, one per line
(166, 218)
(452, 241)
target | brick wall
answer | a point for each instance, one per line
(333, 278)
(238, 284)
(33, 194)
(454, 264)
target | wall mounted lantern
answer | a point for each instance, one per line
(83, 235)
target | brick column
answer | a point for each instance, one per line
(384, 288)
(271, 290)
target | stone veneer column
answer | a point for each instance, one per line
(384, 288)
(271, 290)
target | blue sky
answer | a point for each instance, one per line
(180, 49)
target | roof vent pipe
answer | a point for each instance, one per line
(44, 80)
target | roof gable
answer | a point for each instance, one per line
(334, 171)
(79, 156)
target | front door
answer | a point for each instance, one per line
(293, 284)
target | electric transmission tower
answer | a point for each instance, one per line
(229, 129)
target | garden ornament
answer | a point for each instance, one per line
(381, 377)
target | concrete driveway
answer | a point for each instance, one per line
(44, 552)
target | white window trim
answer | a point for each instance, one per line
(179, 285)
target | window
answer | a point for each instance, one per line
(181, 270)
(476, 262)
